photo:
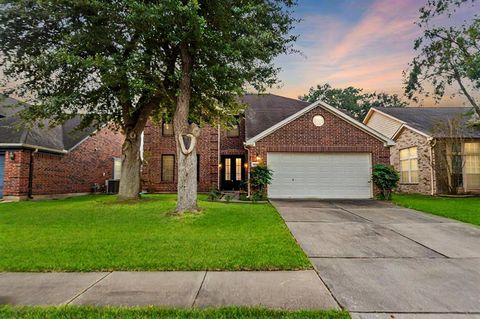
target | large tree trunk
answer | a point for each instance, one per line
(185, 138)
(130, 179)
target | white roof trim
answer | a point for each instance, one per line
(83, 140)
(410, 128)
(331, 109)
(30, 146)
(403, 124)
(372, 109)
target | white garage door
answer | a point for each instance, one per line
(320, 175)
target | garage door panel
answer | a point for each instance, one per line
(320, 175)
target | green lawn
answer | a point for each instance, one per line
(159, 313)
(463, 209)
(95, 233)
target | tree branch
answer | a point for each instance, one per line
(458, 78)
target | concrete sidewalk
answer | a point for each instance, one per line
(272, 289)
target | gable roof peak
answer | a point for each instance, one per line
(427, 119)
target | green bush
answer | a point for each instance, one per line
(258, 196)
(214, 194)
(260, 177)
(386, 178)
(243, 197)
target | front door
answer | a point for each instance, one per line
(233, 172)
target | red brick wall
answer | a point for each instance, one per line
(336, 135)
(75, 172)
(233, 145)
(16, 173)
(156, 145)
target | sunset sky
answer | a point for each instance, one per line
(363, 43)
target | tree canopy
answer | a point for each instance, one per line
(447, 55)
(120, 61)
(351, 99)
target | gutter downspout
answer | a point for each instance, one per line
(30, 175)
(248, 169)
(218, 156)
(432, 142)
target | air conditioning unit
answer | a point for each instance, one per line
(112, 185)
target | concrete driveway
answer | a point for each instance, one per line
(382, 261)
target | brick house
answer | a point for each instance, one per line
(42, 162)
(431, 152)
(314, 150)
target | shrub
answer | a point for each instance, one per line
(214, 194)
(258, 196)
(228, 198)
(260, 177)
(386, 178)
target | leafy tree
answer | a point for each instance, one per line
(351, 99)
(386, 178)
(223, 47)
(450, 161)
(125, 61)
(107, 60)
(447, 55)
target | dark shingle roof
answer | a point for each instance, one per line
(428, 119)
(266, 110)
(60, 138)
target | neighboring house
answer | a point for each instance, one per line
(435, 149)
(314, 150)
(42, 162)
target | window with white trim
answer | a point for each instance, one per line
(168, 168)
(228, 169)
(117, 168)
(472, 165)
(238, 169)
(456, 164)
(167, 129)
(409, 165)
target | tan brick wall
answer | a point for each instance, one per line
(408, 138)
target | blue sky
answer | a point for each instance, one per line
(363, 43)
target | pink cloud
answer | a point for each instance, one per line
(386, 22)
(369, 54)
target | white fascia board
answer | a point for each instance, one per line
(383, 113)
(79, 143)
(410, 128)
(369, 114)
(30, 146)
(403, 124)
